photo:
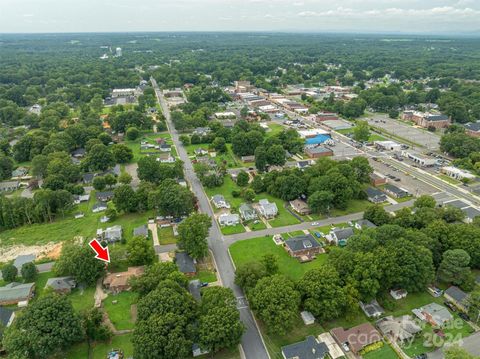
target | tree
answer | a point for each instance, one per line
(377, 215)
(6, 167)
(99, 158)
(171, 199)
(193, 233)
(9, 273)
(474, 306)
(99, 183)
(122, 153)
(161, 337)
(242, 178)
(185, 139)
(52, 326)
(155, 274)
(454, 266)
(132, 133)
(79, 261)
(456, 352)
(261, 158)
(244, 144)
(361, 131)
(92, 323)
(125, 178)
(219, 324)
(323, 293)
(219, 145)
(29, 272)
(270, 262)
(247, 275)
(276, 155)
(39, 166)
(140, 252)
(321, 202)
(125, 199)
(276, 302)
(249, 195)
(425, 201)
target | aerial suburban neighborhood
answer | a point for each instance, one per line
(225, 195)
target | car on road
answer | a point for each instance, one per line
(314, 223)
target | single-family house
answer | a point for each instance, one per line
(318, 151)
(77, 199)
(6, 318)
(87, 178)
(99, 207)
(194, 287)
(20, 172)
(165, 157)
(165, 147)
(375, 196)
(104, 196)
(340, 236)
(229, 219)
(200, 152)
(398, 294)
(303, 247)
(310, 348)
(457, 297)
(372, 309)
(247, 212)
(120, 282)
(435, 314)
(334, 350)
(219, 201)
(377, 179)
(267, 209)
(358, 337)
(14, 293)
(9, 186)
(303, 164)
(111, 234)
(248, 158)
(201, 131)
(185, 263)
(300, 206)
(472, 129)
(395, 191)
(470, 214)
(62, 285)
(141, 231)
(364, 224)
(399, 329)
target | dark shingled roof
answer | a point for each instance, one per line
(456, 293)
(310, 348)
(300, 243)
(185, 263)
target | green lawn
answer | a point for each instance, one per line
(253, 249)
(284, 217)
(228, 157)
(41, 281)
(151, 138)
(82, 299)
(206, 276)
(225, 354)
(123, 342)
(165, 235)
(385, 352)
(413, 300)
(256, 226)
(227, 230)
(354, 206)
(449, 179)
(119, 313)
(226, 190)
(275, 128)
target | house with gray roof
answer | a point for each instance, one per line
(304, 247)
(104, 196)
(99, 207)
(229, 219)
(372, 309)
(185, 263)
(194, 287)
(310, 348)
(219, 201)
(364, 224)
(435, 314)
(141, 231)
(395, 191)
(62, 285)
(110, 234)
(470, 214)
(375, 196)
(6, 318)
(19, 172)
(401, 329)
(14, 293)
(341, 235)
(9, 186)
(457, 297)
(247, 212)
(267, 209)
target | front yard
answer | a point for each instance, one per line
(253, 249)
(385, 352)
(227, 230)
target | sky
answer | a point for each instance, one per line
(404, 16)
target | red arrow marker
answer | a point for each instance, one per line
(102, 253)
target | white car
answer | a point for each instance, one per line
(345, 347)
(315, 223)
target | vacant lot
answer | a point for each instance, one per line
(253, 249)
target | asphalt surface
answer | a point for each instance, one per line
(471, 344)
(252, 341)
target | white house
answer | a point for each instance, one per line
(267, 209)
(229, 219)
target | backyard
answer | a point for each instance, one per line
(118, 308)
(253, 249)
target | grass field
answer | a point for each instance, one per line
(385, 352)
(228, 157)
(253, 249)
(82, 299)
(449, 179)
(119, 313)
(226, 190)
(256, 226)
(227, 230)
(165, 235)
(354, 206)
(151, 138)
(206, 276)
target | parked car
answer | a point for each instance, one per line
(421, 356)
(317, 234)
(464, 316)
(450, 306)
(345, 347)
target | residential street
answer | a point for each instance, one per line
(252, 341)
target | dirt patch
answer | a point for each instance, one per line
(49, 250)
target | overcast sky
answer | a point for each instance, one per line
(409, 16)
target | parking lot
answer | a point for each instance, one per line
(397, 128)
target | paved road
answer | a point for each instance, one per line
(309, 225)
(471, 344)
(252, 341)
